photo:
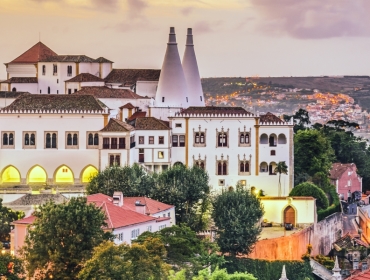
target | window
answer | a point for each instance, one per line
(243, 182)
(263, 167)
(50, 140)
(273, 153)
(178, 125)
(221, 168)
(122, 143)
(182, 140)
(48, 90)
(72, 140)
(119, 237)
(69, 70)
(57, 81)
(243, 167)
(162, 99)
(149, 228)
(92, 140)
(272, 140)
(75, 90)
(161, 155)
(29, 140)
(221, 182)
(161, 227)
(132, 141)
(200, 163)
(14, 89)
(222, 139)
(114, 160)
(43, 69)
(151, 139)
(8, 140)
(141, 139)
(199, 138)
(141, 155)
(264, 139)
(135, 233)
(40, 91)
(106, 143)
(55, 69)
(69, 91)
(349, 183)
(201, 99)
(161, 140)
(244, 139)
(187, 99)
(281, 139)
(169, 214)
(175, 140)
(57, 91)
(113, 143)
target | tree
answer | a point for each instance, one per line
(185, 250)
(281, 168)
(124, 262)
(221, 274)
(309, 189)
(11, 267)
(301, 120)
(236, 215)
(62, 238)
(6, 217)
(312, 153)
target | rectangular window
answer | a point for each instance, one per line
(162, 227)
(75, 89)
(221, 167)
(222, 140)
(141, 139)
(349, 183)
(273, 153)
(182, 140)
(113, 143)
(93, 140)
(55, 69)
(51, 140)
(122, 143)
(43, 70)
(114, 159)
(135, 233)
(160, 154)
(199, 138)
(29, 140)
(69, 70)
(132, 141)
(162, 99)
(105, 143)
(71, 140)
(141, 155)
(169, 214)
(69, 91)
(8, 139)
(175, 141)
(161, 140)
(151, 139)
(149, 228)
(178, 125)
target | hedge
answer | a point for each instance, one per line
(269, 270)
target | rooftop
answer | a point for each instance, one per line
(55, 102)
(11, 94)
(38, 199)
(127, 106)
(85, 77)
(107, 92)
(115, 125)
(137, 114)
(21, 80)
(149, 123)
(152, 206)
(361, 276)
(213, 110)
(123, 76)
(25, 221)
(337, 169)
(35, 54)
(102, 60)
(67, 58)
(270, 118)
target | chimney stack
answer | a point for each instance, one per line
(191, 71)
(118, 199)
(140, 207)
(172, 89)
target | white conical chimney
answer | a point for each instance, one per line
(191, 71)
(336, 270)
(283, 274)
(172, 89)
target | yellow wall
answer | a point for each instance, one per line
(88, 173)
(37, 175)
(11, 175)
(64, 175)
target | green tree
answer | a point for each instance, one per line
(124, 262)
(236, 215)
(281, 168)
(11, 267)
(221, 274)
(312, 153)
(130, 180)
(7, 216)
(309, 189)
(185, 250)
(301, 120)
(62, 238)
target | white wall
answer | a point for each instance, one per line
(115, 103)
(146, 88)
(105, 68)
(170, 211)
(21, 70)
(25, 87)
(5, 102)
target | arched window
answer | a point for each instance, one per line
(272, 167)
(91, 139)
(222, 139)
(32, 141)
(48, 140)
(54, 140)
(26, 139)
(221, 168)
(75, 139)
(202, 165)
(281, 139)
(43, 69)
(264, 139)
(272, 140)
(5, 139)
(69, 139)
(96, 138)
(11, 139)
(48, 90)
(14, 89)
(263, 167)
(242, 139)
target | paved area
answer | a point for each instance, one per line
(274, 232)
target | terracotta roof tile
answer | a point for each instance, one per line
(149, 123)
(38, 199)
(25, 221)
(138, 114)
(68, 58)
(337, 169)
(152, 206)
(123, 76)
(361, 276)
(212, 110)
(102, 60)
(107, 92)
(115, 125)
(269, 117)
(20, 80)
(35, 54)
(127, 106)
(55, 102)
(11, 94)
(85, 77)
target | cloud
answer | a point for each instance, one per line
(105, 5)
(206, 27)
(186, 11)
(314, 19)
(136, 7)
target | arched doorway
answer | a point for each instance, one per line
(37, 175)
(64, 175)
(289, 215)
(88, 173)
(11, 175)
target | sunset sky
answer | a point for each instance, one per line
(232, 37)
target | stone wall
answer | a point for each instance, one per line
(292, 247)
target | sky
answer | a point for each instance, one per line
(233, 38)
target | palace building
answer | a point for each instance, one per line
(65, 117)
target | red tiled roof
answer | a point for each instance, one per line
(123, 76)
(152, 206)
(138, 114)
(85, 77)
(149, 123)
(107, 92)
(35, 54)
(20, 80)
(25, 221)
(127, 106)
(269, 117)
(337, 169)
(361, 276)
(115, 125)
(214, 110)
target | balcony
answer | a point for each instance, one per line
(132, 145)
